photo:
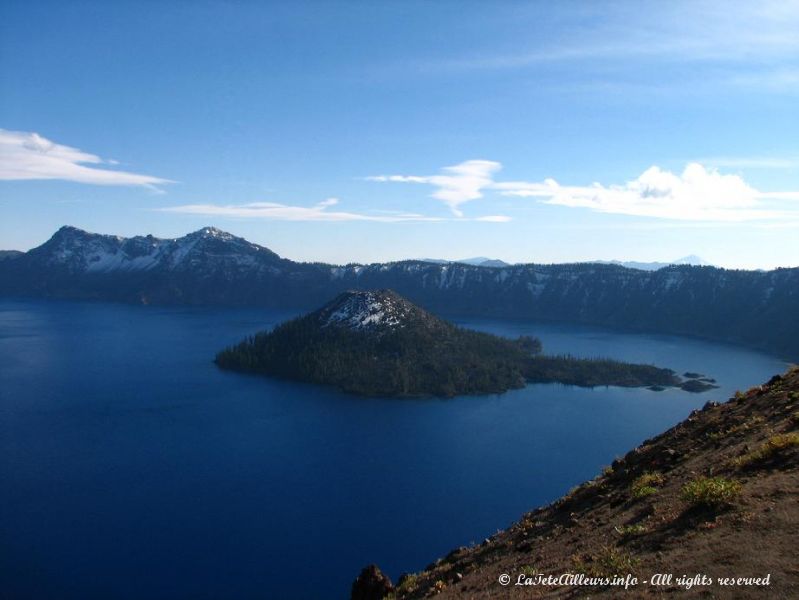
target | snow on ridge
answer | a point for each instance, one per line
(104, 262)
(183, 248)
(97, 253)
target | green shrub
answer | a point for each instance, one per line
(744, 426)
(408, 583)
(646, 485)
(783, 440)
(711, 492)
(626, 531)
(643, 491)
(774, 445)
(529, 571)
(609, 561)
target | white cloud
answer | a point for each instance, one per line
(698, 194)
(284, 212)
(328, 202)
(494, 219)
(317, 212)
(28, 156)
(458, 183)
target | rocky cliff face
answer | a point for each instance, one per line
(215, 268)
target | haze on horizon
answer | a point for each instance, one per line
(362, 132)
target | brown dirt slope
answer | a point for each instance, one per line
(716, 495)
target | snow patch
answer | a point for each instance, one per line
(361, 310)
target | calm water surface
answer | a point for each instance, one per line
(131, 467)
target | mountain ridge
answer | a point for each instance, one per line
(209, 267)
(477, 261)
(691, 259)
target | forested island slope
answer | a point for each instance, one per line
(376, 343)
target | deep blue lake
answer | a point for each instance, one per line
(131, 467)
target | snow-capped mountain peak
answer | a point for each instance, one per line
(207, 250)
(212, 233)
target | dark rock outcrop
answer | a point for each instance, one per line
(371, 584)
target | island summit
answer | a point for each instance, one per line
(377, 343)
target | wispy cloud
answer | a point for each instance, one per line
(751, 162)
(722, 32)
(318, 212)
(767, 80)
(29, 156)
(457, 184)
(645, 46)
(697, 194)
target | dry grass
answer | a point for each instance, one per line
(609, 561)
(774, 445)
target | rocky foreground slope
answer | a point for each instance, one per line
(715, 497)
(211, 267)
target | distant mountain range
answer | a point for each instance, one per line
(691, 259)
(477, 261)
(211, 267)
(482, 261)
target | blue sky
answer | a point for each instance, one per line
(367, 131)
